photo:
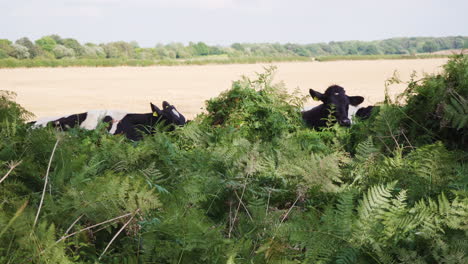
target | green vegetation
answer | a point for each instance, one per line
(379, 57)
(55, 51)
(246, 182)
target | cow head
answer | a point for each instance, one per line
(335, 95)
(168, 113)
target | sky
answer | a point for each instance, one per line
(223, 22)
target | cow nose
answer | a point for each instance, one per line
(345, 122)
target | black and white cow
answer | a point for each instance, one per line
(129, 124)
(345, 107)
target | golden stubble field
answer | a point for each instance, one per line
(61, 91)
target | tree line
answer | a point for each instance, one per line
(56, 47)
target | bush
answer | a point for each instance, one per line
(437, 106)
(19, 52)
(256, 108)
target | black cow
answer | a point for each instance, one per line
(130, 124)
(334, 95)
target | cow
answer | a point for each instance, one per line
(345, 107)
(359, 111)
(132, 125)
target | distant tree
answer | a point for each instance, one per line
(119, 49)
(111, 51)
(458, 43)
(144, 53)
(351, 50)
(278, 47)
(171, 54)
(237, 46)
(134, 44)
(19, 52)
(57, 38)
(183, 54)
(200, 49)
(326, 48)
(315, 49)
(74, 45)
(5, 48)
(93, 51)
(369, 49)
(46, 43)
(429, 46)
(335, 48)
(214, 50)
(32, 49)
(161, 52)
(4, 42)
(3, 54)
(61, 51)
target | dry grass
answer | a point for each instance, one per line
(59, 91)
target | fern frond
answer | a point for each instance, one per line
(456, 112)
(376, 200)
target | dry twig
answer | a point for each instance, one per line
(45, 182)
(12, 166)
(117, 234)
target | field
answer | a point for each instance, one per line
(59, 91)
(246, 181)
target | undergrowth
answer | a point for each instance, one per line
(246, 182)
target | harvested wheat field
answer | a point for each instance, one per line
(60, 91)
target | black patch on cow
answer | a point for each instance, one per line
(68, 122)
(109, 120)
(133, 126)
(364, 112)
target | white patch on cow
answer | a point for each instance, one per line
(307, 108)
(337, 93)
(45, 120)
(117, 116)
(352, 110)
(175, 113)
(93, 118)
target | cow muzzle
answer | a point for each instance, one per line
(344, 122)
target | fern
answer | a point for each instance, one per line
(347, 256)
(456, 111)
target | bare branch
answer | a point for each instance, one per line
(237, 210)
(69, 228)
(45, 183)
(12, 166)
(117, 234)
(243, 205)
(91, 227)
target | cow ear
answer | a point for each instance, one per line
(165, 104)
(316, 95)
(355, 100)
(156, 111)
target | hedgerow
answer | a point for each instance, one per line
(245, 182)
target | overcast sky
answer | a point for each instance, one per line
(227, 21)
